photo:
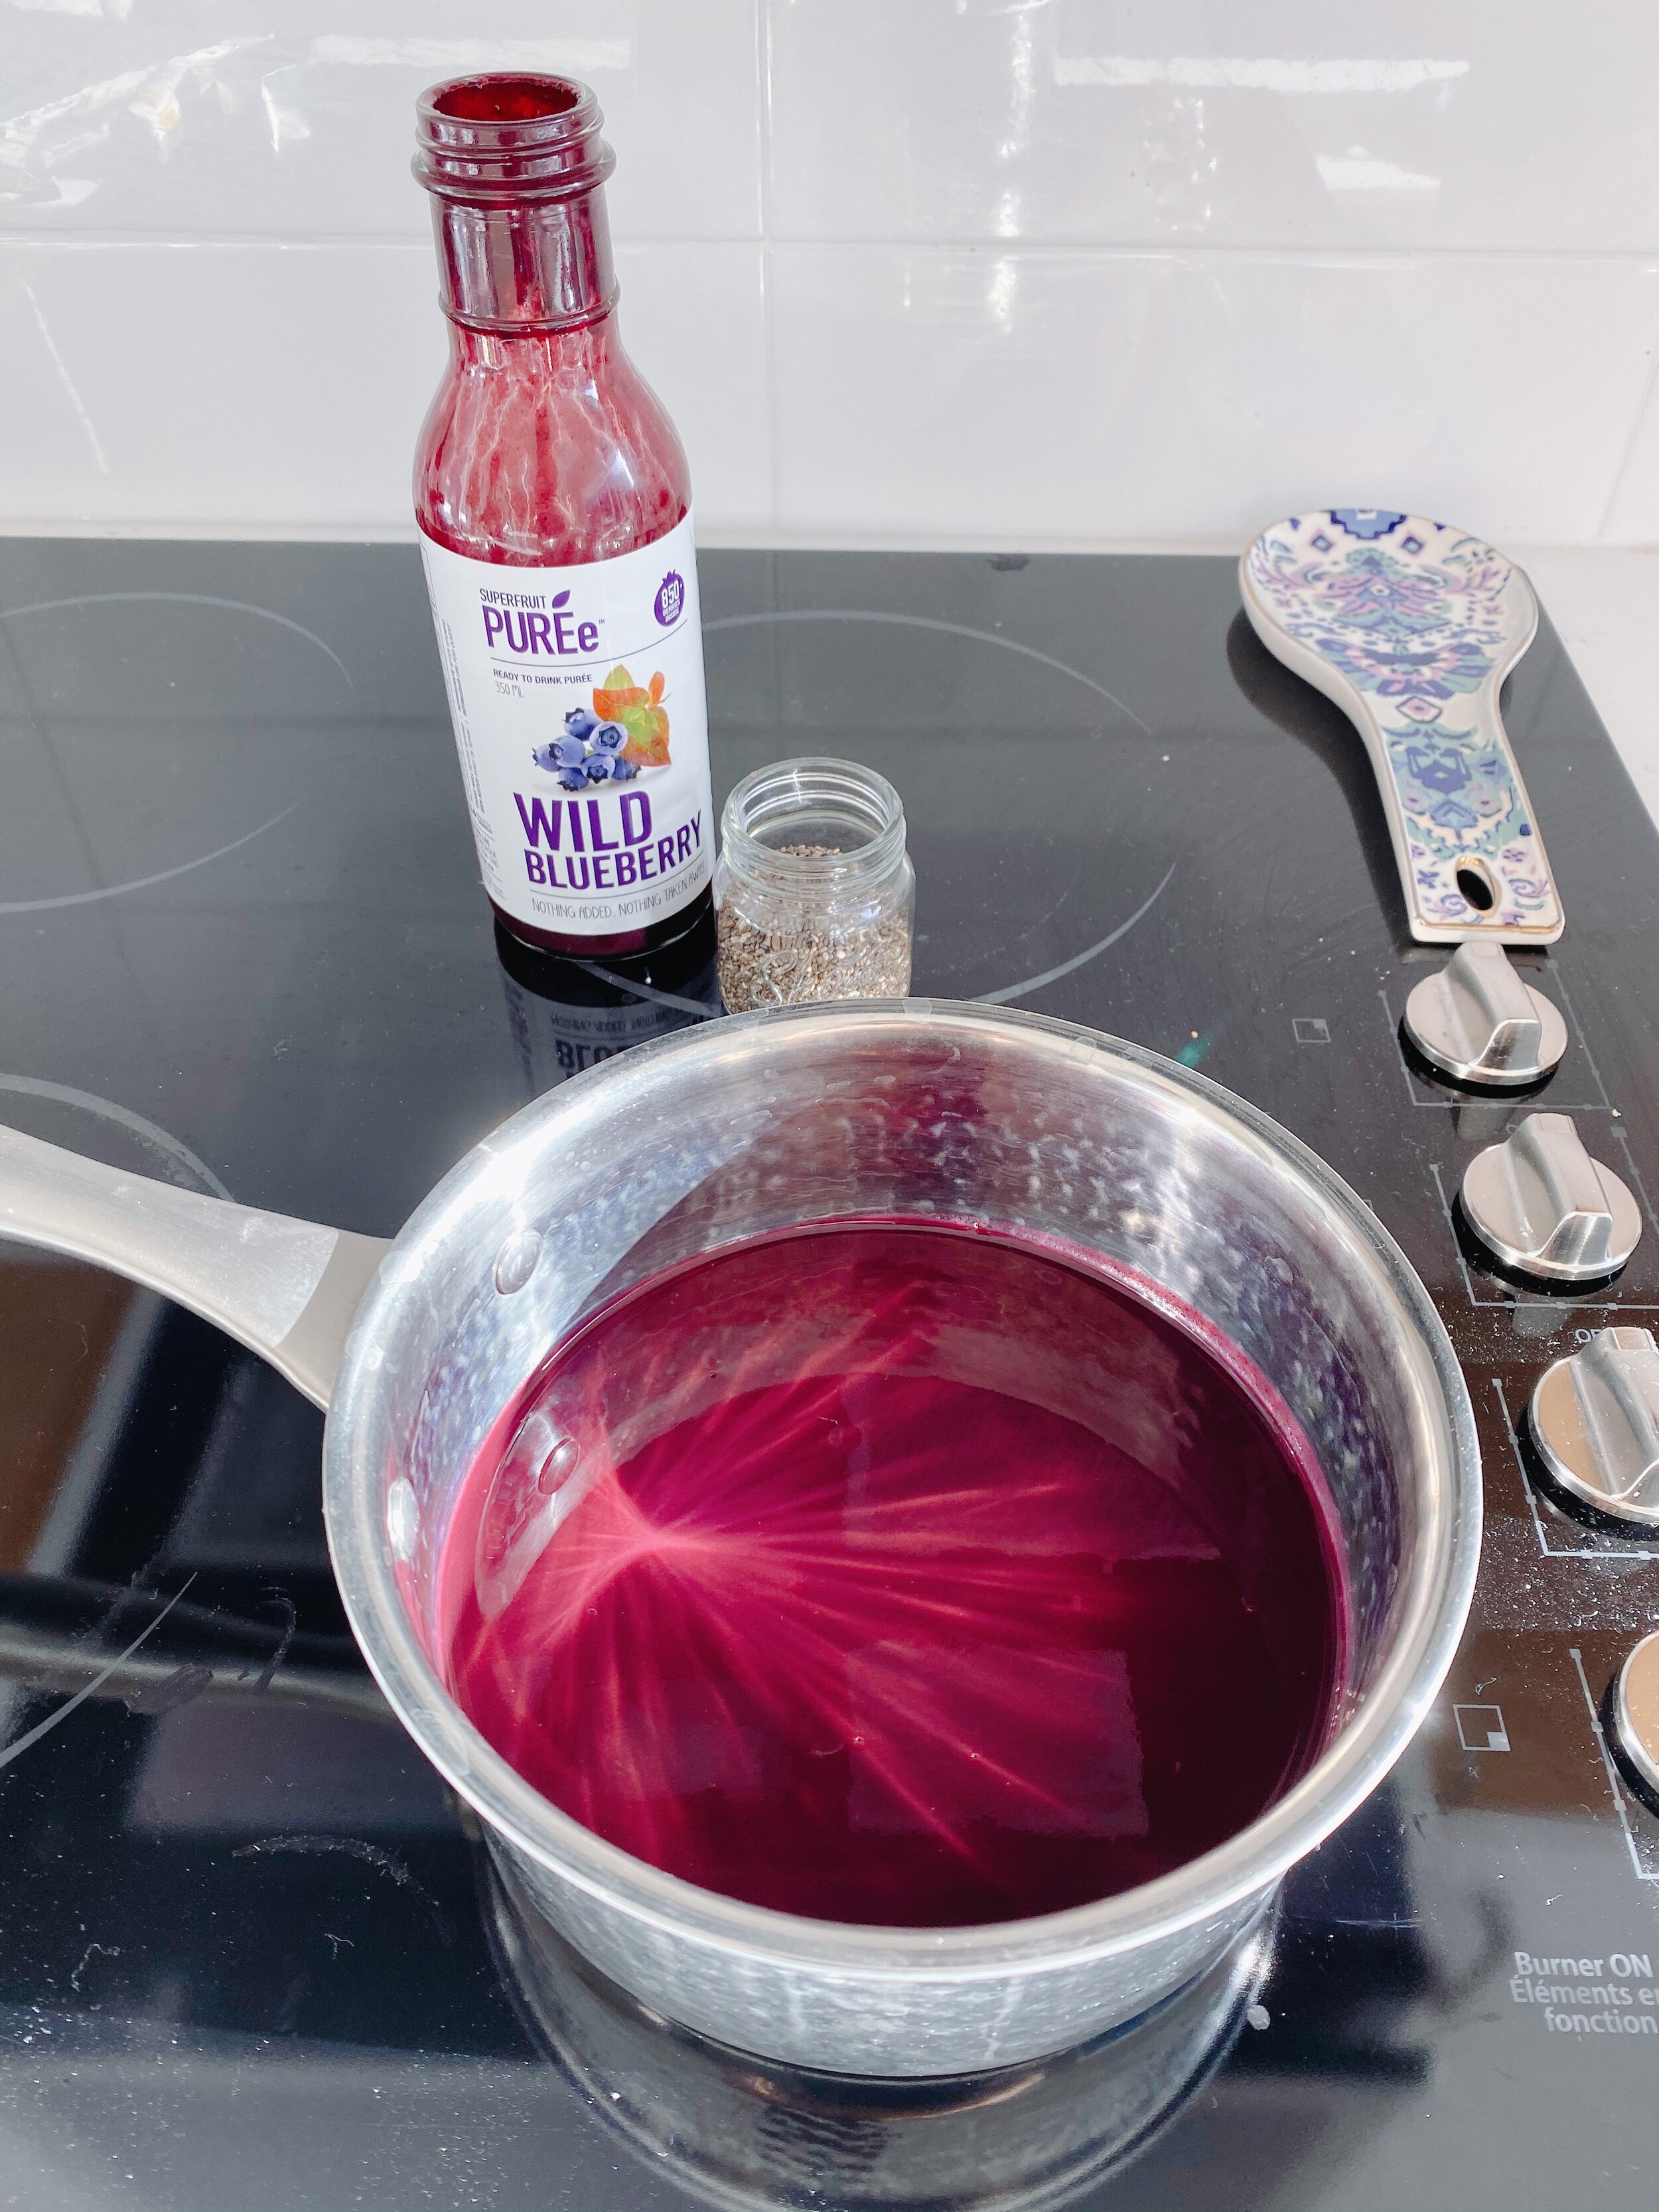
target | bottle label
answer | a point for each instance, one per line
(577, 697)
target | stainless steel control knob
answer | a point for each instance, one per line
(1635, 1710)
(1478, 1022)
(1594, 1419)
(1545, 1208)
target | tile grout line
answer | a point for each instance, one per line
(1334, 257)
(1642, 409)
(768, 318)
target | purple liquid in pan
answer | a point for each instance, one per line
(944, 1578)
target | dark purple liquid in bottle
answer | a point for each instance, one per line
(899, 1574)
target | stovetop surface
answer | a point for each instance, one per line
(248, 1954)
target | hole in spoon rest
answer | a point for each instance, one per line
(1474, 881)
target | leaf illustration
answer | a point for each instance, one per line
(620, 699)
(612, 698)
(647, 736)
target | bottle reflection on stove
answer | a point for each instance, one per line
(568, 1015)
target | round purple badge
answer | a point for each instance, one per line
(670, 599)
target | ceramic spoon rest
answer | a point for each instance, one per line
(1410, 627)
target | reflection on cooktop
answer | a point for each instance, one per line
(734, 2129)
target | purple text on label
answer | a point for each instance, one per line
(556, 633)
(577, 869)
(558, 823)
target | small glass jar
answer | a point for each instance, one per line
(814, 891)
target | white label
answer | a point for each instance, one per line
(577, 697)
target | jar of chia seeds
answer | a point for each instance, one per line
(814, 891)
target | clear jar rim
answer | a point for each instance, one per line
(764, 803)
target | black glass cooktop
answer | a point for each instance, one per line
(249, 1952)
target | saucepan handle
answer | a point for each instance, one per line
(286, 1288)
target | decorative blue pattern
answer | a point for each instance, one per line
(1365, 521)
(1416, 616)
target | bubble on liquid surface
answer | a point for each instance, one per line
(402, 1520)
(518, 1261)
(526, 1502)
(557, 1467)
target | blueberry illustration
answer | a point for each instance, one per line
(568, 751)
(579, 723)
(621, 768)
(599, 766)
(573, 778)
(609, 737)
(547, 756)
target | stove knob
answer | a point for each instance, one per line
(1635, 1710)
(1547, 1208)
(1595, 1421)
(1479, 1023)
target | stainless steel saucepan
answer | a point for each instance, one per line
(744, 1125)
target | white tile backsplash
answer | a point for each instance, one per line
(1252, 123)
(948, 271)
(1633, 516)
(281, 386)
(194, 382)
(1161, 397)
(295, 117)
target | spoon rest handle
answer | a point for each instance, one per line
(1410, 627)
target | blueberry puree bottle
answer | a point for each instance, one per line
(555, 510)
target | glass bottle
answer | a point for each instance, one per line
(555, 511)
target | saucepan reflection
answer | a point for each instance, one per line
(737, 2130)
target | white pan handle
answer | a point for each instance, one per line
(286, 1288)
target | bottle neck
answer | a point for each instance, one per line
(545, 265)
(516, 169)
